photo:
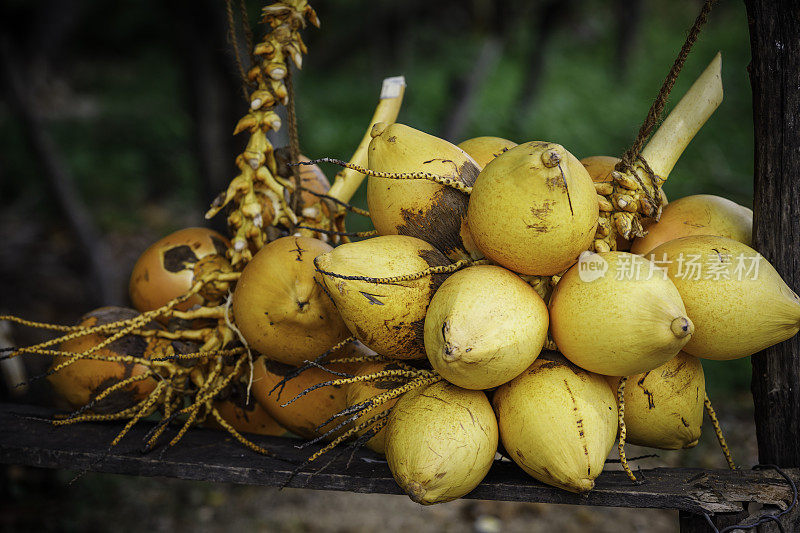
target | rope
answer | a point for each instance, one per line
(248, 31)
(237, 55)
(633, 153)
(294, 139)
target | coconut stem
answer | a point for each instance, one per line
(443, 269)
(718, 431)
(309, 365)
(622, 430)
(411, 374)
(685, 120)
(238, 436)
(107, 392)
(447, 181)
(39, 325)
(345, 205)
(348, 180)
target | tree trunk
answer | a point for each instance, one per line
(775, 78)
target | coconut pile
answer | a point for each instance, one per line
(466, 285)
(510, 293)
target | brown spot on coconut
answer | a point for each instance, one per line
(166, 269)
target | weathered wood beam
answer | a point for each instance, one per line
(775, 79)
(211, 456)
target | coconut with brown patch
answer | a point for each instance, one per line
(280, 308)
(485, 325)
(382, 287)
(533, 209)
(83, 380)
(440, 442)
(418, 207)
(170, 267)
(558, 422)
(664, 407)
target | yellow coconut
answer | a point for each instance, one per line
(533, 209)
(388, 317)
(81, 381)
(279, 307)
(558, 422)
(484, 326)
(699, 214)
(304, 415)
(616, 313)
(420, 208)
(440, 442)
(485, 149)
(736, 299)
(364, 390)
(664, 407)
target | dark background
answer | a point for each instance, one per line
(131, 105)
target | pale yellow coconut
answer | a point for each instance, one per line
(736, 299)
(533, 209)
(615, 313)
(558, 422)
(440, 442)
(484, 326)
(664, 407)
(484, 149)
(420, 208)
(699, 214)
(280, 309)
(364, 390)
(387, 316)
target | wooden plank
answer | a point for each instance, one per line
(775, 79)
(211, 456)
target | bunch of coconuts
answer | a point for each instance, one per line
(461, 230)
